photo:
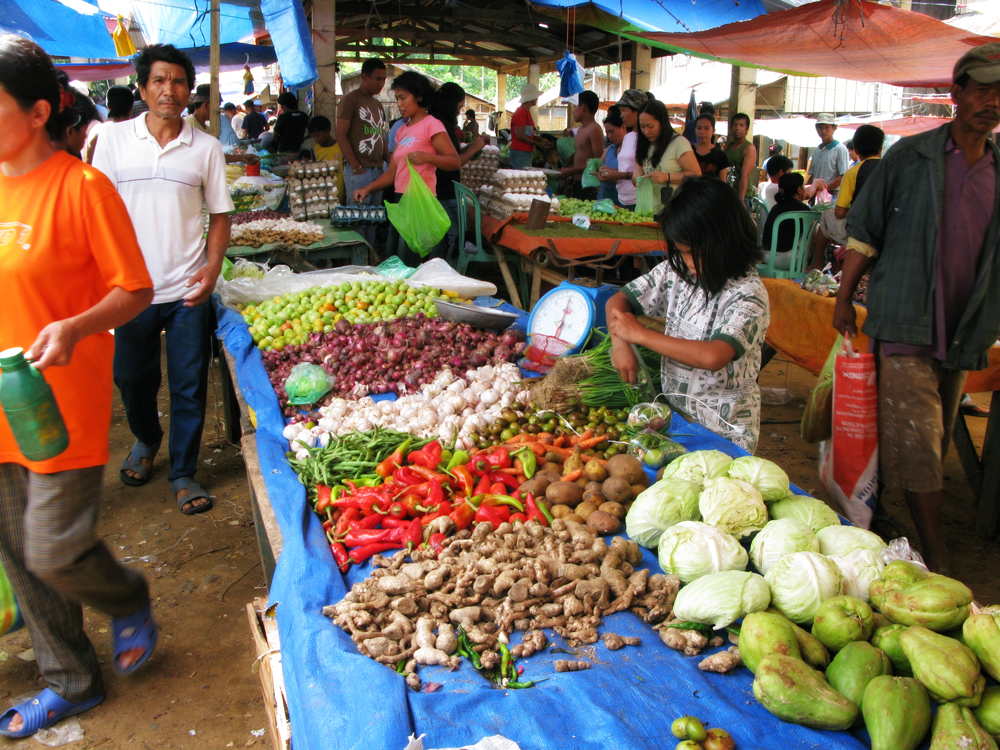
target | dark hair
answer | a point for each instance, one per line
(319, 123)
(444, 107)
(590, 100)
(614, 116)
(470, 113)
(370, 65)
(706, 108)
(778, 163)
(788, 186)
(849, 144)
(166, 53)
(289, 101)
(706, 214)
(739, 116)
(868, 141)
(667, 133)
(249, 103)
(84, 110)
(119, 101)
(417, 85)
(962, 80)
(706, 116)
(775, 148)
(229, 106)
(27, 74)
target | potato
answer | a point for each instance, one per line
(594, 471)
(564, 493)
(554, 458)
(573, 463)
(603, 523)
(535, 486)
(627, 467)
(584, 510)
(614, 509)
(558, 511)
(572, 517)
(552, 467)
(581, 483)
(617, 490)
(596, 486)
(643, 480)
(636, 489)
(594, 497)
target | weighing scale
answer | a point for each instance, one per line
(570, 311)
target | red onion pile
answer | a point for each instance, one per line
(396, 356)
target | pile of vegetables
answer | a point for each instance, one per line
(245, 217)
(571, 206)
(289, 319)
(288, 231)
(693, 735)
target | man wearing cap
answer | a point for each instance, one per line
(927, 225)
(830, 161)
(522, 129)
(199, 111)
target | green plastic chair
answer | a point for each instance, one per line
(761, 208)
(467, 198)
(805, 224)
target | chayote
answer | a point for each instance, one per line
(763, 634)
(897, 712)
(981, 633)
(795, 692)
(896, 576)
(937, 603)
(956, 727)
(853, 667)
(988, 712)
(887, 639)
(949, 670)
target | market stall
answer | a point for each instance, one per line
(337, 243)
(801, 330)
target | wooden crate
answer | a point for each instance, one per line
(272, 684)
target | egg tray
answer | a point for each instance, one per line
(347, 215)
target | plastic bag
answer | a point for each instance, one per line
(418, 217)
(817, 421)
(307, 383)
(246, 269)
(437, 274)
(848, 461)
(394, 268)
(655, 449)
(589, 177)
(900, 549)
(647, 197)
(10, 613)
(650, 415)
(605, 206)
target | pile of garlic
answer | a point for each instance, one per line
(312, 188)
(447, 408)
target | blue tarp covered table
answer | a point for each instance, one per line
(338, 698)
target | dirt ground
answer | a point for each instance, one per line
(198, 691)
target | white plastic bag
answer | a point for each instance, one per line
(438, 274)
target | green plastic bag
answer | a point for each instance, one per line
(817, 421)
(589, 177)
(307, 383)
(418, 217)
(10, 613)
(605, 206)
(647, 197)
(394, 268)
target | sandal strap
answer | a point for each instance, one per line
(35, 713)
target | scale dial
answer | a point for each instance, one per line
(565, 313)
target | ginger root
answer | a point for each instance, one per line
(571, 666)
(613, 641)
(690, 642)
(722, 662)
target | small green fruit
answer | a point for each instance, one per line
(688, 745)
(679, 728)
(695, 729)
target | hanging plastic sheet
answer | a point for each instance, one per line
(58, 29)
(570, 78)
(187, 23)
(286, 20)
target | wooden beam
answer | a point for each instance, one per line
(324, 22)
(471, 63)
(213, 64)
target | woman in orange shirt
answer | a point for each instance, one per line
(70, 269)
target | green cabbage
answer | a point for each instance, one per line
(781, 537)
(835, 541)
(692, 549)
(769, 478)
(812, 512)
(860, 568)
(733, 505)
(720, 599)
(800, 582)
(660, 506)
(698, 466)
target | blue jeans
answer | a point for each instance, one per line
(137, 375)
(520, 159)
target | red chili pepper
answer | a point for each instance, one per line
(394, 461)
(483, 486)
(463, 515)
(486, 513)
(347, 517)
(410, 502)
(397, 510)
(368, 522)
(371, 502)
(327, 525)
(413, 534)
(499, 458)
(361, 537)
(517, 517)
(323, 498)
(389, 522)
(347, 501)
(404, 476)
(429, 474)
(464, 480)
(534, 512)
(340, 556)
(498, 489)
(478, 466)
(506, 480)
(428, 457)
(436, 542)
(361, 554)
(442, 510)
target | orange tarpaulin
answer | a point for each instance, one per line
(508, 234)
(801, 329)
(889, 45)
(903, 126)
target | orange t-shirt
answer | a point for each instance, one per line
(65, 241)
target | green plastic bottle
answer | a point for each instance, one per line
(31, 408)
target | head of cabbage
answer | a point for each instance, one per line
(720, 599)
(800, 582)
(860, 568)
(769, 478)
(660, 506)
(733, 505)
(835, 541)
(778, 538)
(692, 549)
(812, 512)
(698, 466)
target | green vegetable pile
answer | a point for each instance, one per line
(572, 206)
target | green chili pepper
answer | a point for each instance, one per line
(528, 461)
(401, 666)
(459, 458)
(506, 662)
(523, 685)
(471, 655)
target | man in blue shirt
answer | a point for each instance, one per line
(831, 160)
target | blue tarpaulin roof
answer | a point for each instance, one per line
(59, 30)
(668, 15)
(186, 23)
(233, 56)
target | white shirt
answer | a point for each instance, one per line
(227, 136)
(767, 192)
(164, 190)
(237, 123)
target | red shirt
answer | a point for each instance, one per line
(522, 116)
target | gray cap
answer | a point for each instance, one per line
(633, 98)
(982, 64)
(825, 118)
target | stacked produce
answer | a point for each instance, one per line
(264, 231)
(313, 188)
(245, 217)
(482, 168)
(573, 206)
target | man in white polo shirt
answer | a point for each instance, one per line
(165, 170)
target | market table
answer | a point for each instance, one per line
(801, 329)
(339, 698)
(596, 248)
(338, 243)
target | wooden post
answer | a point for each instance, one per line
(324, 23)
(501, 99)
(213, 64)
(534, 74)
(743, 95)
(642, 64)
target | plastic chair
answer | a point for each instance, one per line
(467, 198)
(805, 224)
(761, 208)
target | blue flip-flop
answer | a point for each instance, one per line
(133, 462)
(35, 712)
(135, 631)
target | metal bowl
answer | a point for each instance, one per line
(474, 315)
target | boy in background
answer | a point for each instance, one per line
(322, 146)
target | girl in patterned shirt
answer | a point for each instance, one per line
(715, 309)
